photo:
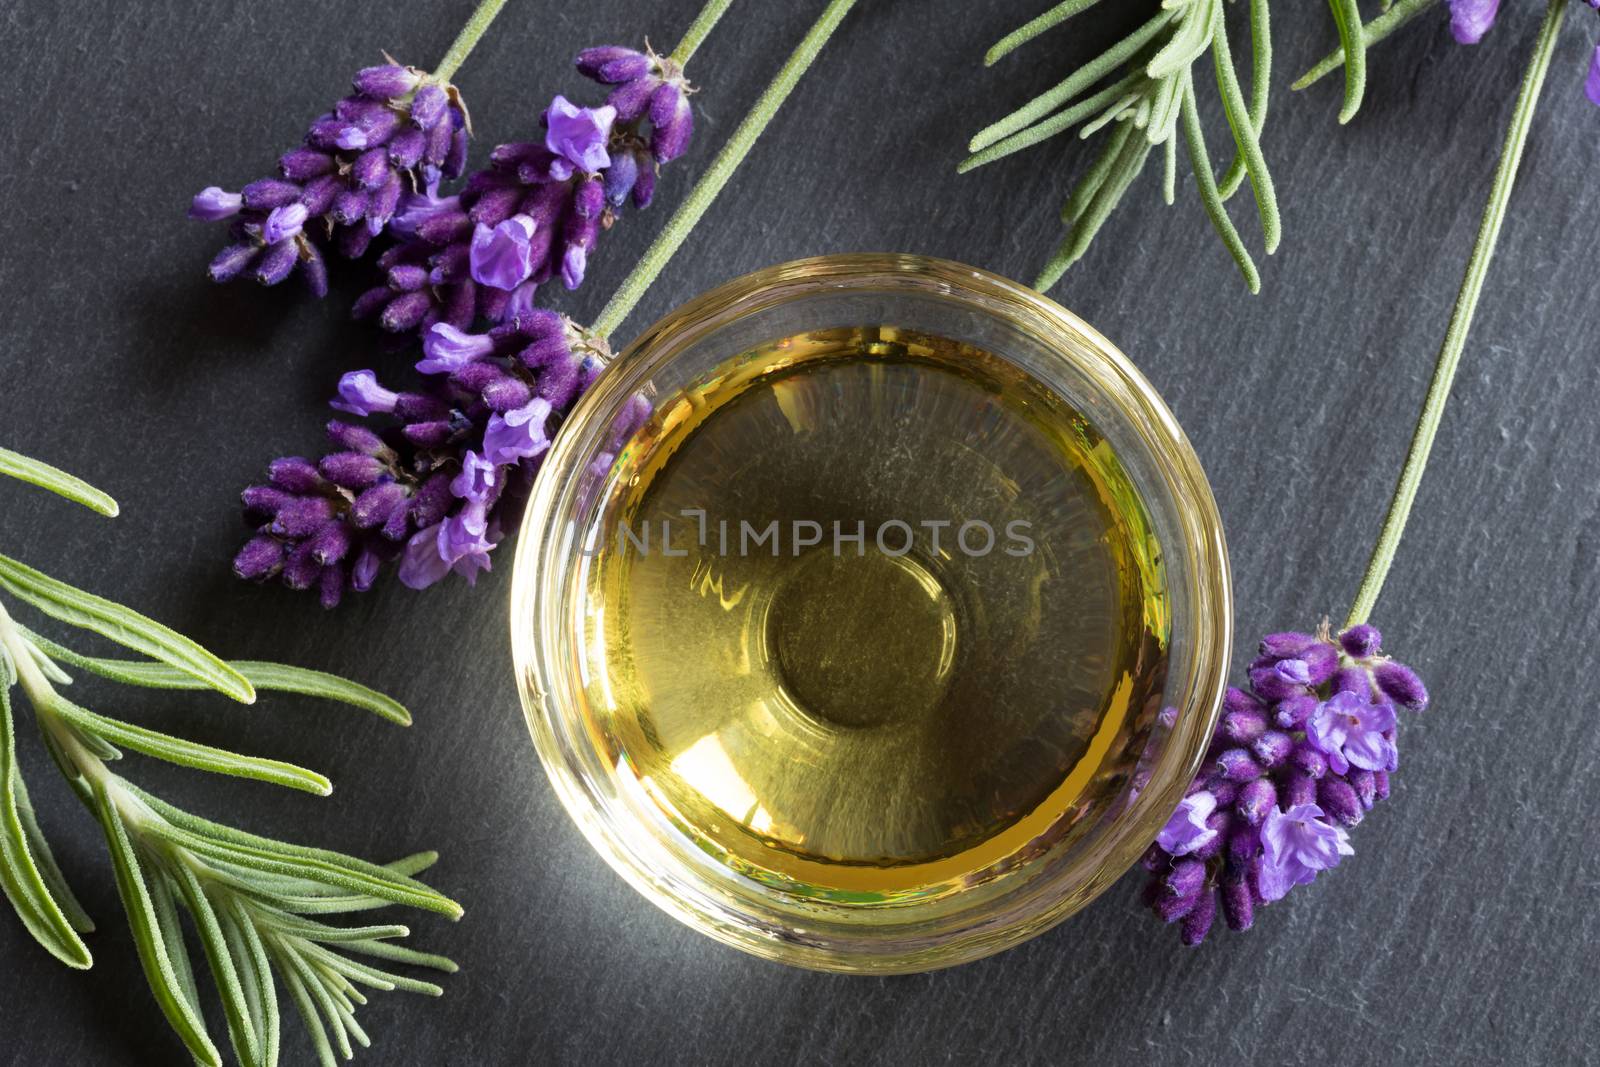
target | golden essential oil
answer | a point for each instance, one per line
(868, 613)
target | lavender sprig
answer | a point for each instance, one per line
(1298, 758)
(444, 483)
(539, 207)
(399, 131)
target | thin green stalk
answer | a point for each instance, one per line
(462, 46)
(695, 36)
(1022, 35)
(721, 169)
(1455, 339)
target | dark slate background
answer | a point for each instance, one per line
(1463, 930)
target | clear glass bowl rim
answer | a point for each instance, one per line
(679, 892)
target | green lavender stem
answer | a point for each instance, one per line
(462, 47)
(1371, 33)
(695, 36)
(721, 169)
(1455, 339)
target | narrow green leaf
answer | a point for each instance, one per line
(375, 977)
(1057, 123)
(1169, 170)
(242, 1027)
(1260, 90)
(1244, 137)
(15, 465)
(294, 861)
(25, 885)
(1372, 33)
(256, 973)
(401, 954)
(49, 869)
(122, 625)
(270, 677)
(1187, 43)
(191, 754)
(1200, 160)
(1075, 83)
(1130, 160)
(158, 968)
(170, 928)
(319, 994)
(1095, 176)
(1347, 16)
(308, 1010)
(1027, 32)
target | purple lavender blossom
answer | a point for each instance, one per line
(1591, 84)
(537, 211)
(1296, 760)
(443, 483)
(397, 132)
(1296, 844)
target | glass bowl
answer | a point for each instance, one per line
(1076, 851)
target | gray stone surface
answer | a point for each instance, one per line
(1464, 929)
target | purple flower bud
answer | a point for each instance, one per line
(364, 570)
(1218, 822)
(429, 105)
(630, 99)
(261, 557)
(330, 586)
(1238, 907)
(405, 311)
(1307, 760)
(455, 162)
(1185, 879)
(579, 134)
(612, 63)
(501, 257)
(1237, 765)
(283, 223)
(303, 164)
(559, 383)
(357, 439)
(406, 148)
(1339, 800)
(1286, 645)
(1244, 845)
(448, 349)
(421, 565)
(494, 206)
(232, 262)
(673, 120)
(353, 241)
(418, 208)
(432, 500)
(385, 82)
(1244, 726)
(349, 207)
(1170, 909)
(1278, 681)
(407, 277)
(1300, 790)
(268, 193)
(1272, 748)
(644, 187)
(213, 203)
(1255, 800)
(620, 177)
(508, 393)
(371, 167)
(1197, 923)
(1380, 784)
(1321, 661)
(1352, 680)
(301, 570)
(360, 394)
(1471, 19)
(264, 501)
(1400, 684)
(1365, 784)
(351, 470)
(314, 269)
(1361, 642)
(295, 474)
(300, 516)
(375, 505)
(276, 262)
(330, 542)
(320, 193)
(1225, 792)
(1591, 81)
(1292, 712)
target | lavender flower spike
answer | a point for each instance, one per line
(397, 132)
(360, 394)
(1274, 803)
